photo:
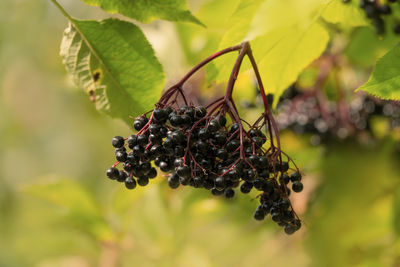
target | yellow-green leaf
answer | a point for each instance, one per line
(346, 14)
(239, 22)
(284, 53)
(385, 79)
(285, 35)
(146, 11)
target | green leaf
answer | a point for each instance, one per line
(285, 36)
(284, 53)
(292, 39)
(113, 62)
(146, 11)
(239, 22)
(365, 47)
(385, 79)
(77, 203)
(346, 14)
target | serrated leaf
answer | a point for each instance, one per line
(385, 79)
(285, 36)
(346, 14)
(146, 11)
(79, 205)
(284, 53)
(113, 62)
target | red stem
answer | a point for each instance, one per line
(205, 61)
(235, 72)
(265, 101)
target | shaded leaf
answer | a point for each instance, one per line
(80, 207)
(146, 11)
(385, 79)
(113, 62)
(365, 47)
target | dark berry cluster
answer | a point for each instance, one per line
(201, 150)
(378, 13)
(325, 120)
(272, 202)
(212, 148)
(363, 108)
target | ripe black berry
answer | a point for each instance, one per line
(118, 141)
(121, 156)
(160, 114)
(259, 214)
(142, 140)
(183, 171)
(112, 173)
(173, 181)
(297, 186)
(200, 112)
(216, 192)
(138, 150)
(220, 183)
(229, 193)
(164, 166)
(139, 123)
(289, 229)
(222, 120)
(246, 187)
(152, 173)
(154, 128)
(132, 141)
(295, 176)
(197, 181)
(214, 125)
(122, 176)
(130, 183)
(143, 181)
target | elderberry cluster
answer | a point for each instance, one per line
(378, 13)
(302, 113)
(201, 149)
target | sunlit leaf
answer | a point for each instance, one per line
(197, 42)
(285, 35)
(239, 25)
(346, 14)
(284, 53)
(146, 11)
(114, 63)
(385, 79)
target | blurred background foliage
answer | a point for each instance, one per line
(58, 209)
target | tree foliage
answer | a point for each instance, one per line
(285, 41)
